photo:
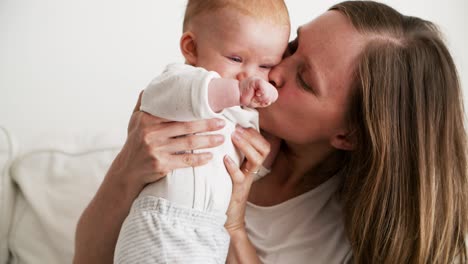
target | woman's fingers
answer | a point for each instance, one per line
(181, 128)
(192, 142)
(169, 129)
(140, 120)
(237, 176)
(138, 104)
(149, 151)
(167, 136)
(255, 148)
(240, 191)
(163, 163)
(176, 129)
(255, 139)
(189, 160)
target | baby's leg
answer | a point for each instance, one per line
(178, 187)
(157, 231)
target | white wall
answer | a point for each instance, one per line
(69, 66)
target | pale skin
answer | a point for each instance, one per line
(310, 122)
(323, 62)
(253, 92)
(242, 49)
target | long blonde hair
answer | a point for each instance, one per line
(405, 193)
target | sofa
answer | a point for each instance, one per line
(43, 191)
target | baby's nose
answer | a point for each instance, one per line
(241, 76)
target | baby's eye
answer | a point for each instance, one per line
(267, 67)
(235, 59)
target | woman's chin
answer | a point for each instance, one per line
(263, 118)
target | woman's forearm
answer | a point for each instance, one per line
(148, 154)
(99, 225)
(255, 148)
(241, 250)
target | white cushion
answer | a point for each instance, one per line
(55, 185)
(6, 191)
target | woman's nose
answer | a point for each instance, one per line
(275, 76)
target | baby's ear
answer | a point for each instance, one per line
(188, 47)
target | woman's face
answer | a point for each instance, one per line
(314, 82)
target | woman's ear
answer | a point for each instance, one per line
(344, 141)
(188, 46)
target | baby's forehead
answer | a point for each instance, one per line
(234, 26)
(231, 19)
(273, 11)
(242, 35)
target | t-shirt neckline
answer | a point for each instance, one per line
(332, 182)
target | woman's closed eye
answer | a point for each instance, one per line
(303, 84)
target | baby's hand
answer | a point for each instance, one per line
(256, 92)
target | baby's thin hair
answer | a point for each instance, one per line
(274, 11)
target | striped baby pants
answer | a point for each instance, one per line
(156, 231)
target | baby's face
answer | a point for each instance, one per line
(238, 46)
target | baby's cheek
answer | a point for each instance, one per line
(218, 67)
(264, 75)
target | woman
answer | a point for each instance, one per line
(370, 116)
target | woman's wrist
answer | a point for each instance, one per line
(241, 250)
(239, 234)
(120, 178)
(99, 225)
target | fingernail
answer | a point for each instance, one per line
(219, 139)
(228, 159)
(240, 130)
(220, 123)
(235, 136)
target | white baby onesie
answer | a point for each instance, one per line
(180, 218)
(180, 93)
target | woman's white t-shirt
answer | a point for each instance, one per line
(305, 229)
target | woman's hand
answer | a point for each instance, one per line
(150, 151)
(147, 156)
(255, 148)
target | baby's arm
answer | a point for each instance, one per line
(180, 93)
(186, 93)
(223, 93)
(252, 92)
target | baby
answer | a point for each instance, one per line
(229, 48)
